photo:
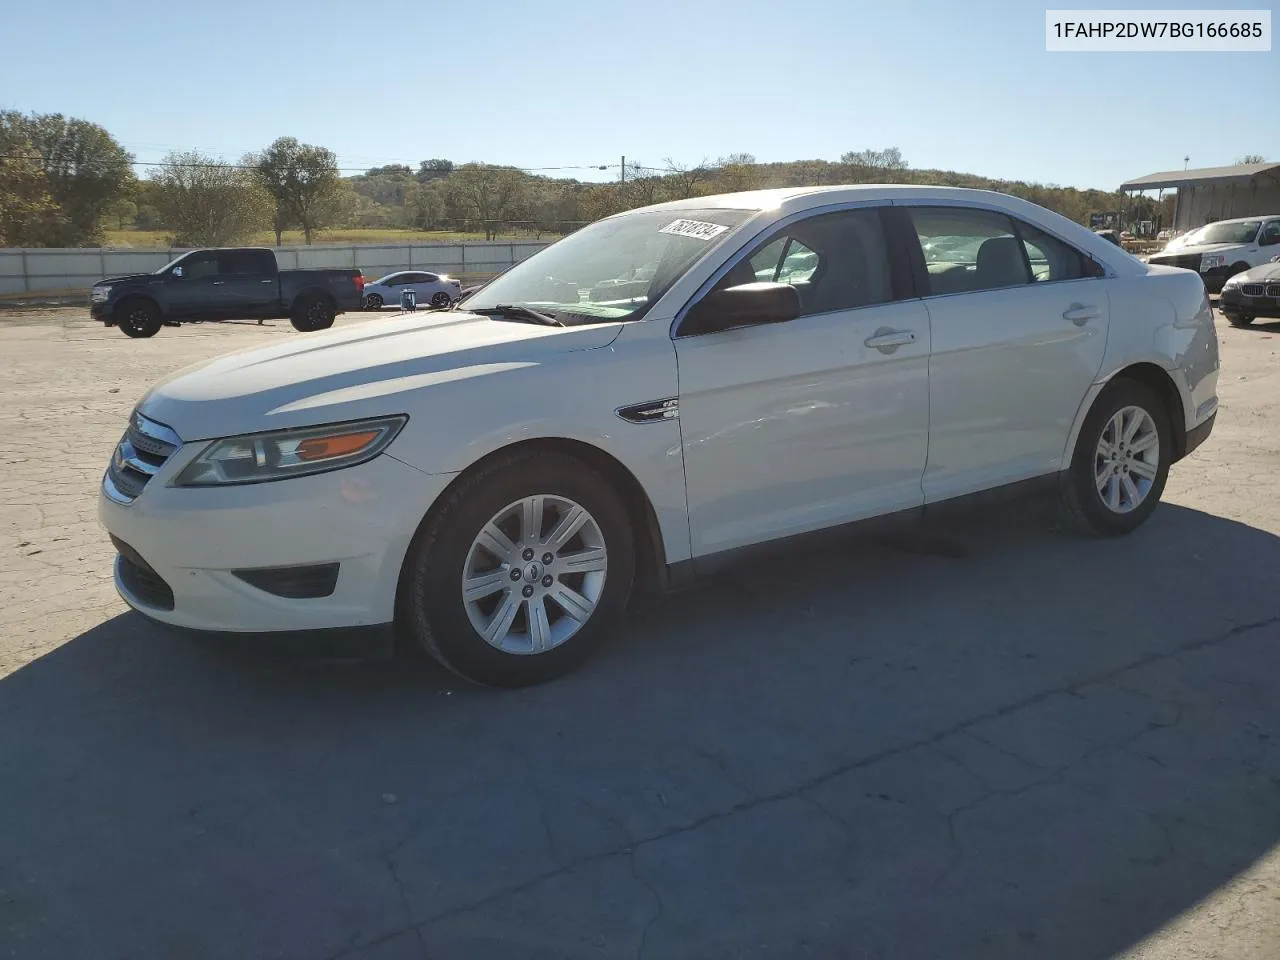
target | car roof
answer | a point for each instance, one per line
(786, 201)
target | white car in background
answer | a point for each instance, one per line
(431, 289)
(1221, 250)
(635, 404)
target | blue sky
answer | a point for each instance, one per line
(965, 86)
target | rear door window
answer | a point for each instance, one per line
(967, 250)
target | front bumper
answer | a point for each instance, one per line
(1234, 303)
(100, 310)
(1216, 277)
(191, 539)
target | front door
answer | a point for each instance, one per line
(199, 291)
(1019, 321)
(796, 426)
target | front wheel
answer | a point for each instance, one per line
(138, 319)
(373, 302)
(1239, 319)
(518, 576)
(313, 313)
(1121, 461)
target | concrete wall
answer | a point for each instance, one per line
(1199, 205)
(48, 269)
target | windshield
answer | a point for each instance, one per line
(1227, 232)
(171, 262)
(613, 269)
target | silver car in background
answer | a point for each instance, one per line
(430, 289)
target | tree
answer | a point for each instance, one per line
(206, 202)
(28, 215)
(301, 179)
(429, 170)
(686, 179)
(122, 214)
(490, 193)
(877, 162)
(83, 168)
(1251, 158)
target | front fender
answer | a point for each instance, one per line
(575, 397)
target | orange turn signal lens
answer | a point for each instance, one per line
(338, 445)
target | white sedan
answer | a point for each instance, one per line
(648, 399)
(430, 289)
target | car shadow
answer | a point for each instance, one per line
(984, 738)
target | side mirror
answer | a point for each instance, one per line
(177, 272)
(746, 305)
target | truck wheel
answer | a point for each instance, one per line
(519, 574)
(312, 313)
(138, 318)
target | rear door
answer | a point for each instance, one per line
(250, 283)
(1019, 322)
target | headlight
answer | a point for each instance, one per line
(99, 294)
(258, 457)
(1231, 282)
(1210, 260)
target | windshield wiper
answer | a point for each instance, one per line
(515, 311)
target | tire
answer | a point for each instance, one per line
(1239, 320)
(138, 318)
(440, 300)
(447, 548)
(311, 313)
(1106, 508)
(373, 302)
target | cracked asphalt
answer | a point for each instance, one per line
(994, 740)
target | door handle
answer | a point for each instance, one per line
(266, 281)
(216, 283)
(889, 340)
(1080, 314)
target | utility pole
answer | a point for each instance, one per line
(622, 175)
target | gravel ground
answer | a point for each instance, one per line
(1022, 745)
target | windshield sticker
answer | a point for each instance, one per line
(698, 229)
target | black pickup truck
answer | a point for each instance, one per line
(222, 284)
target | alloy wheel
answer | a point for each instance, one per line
(534, 574)
(1127, 460)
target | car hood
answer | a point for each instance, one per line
(1204, 248)
(1266, 273)
(125, 277)
(363, 370)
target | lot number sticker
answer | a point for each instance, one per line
(698, 229)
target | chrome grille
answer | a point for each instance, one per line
(1273, 290)
(142, 451)
(1251, 289)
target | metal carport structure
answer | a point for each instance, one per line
(1215, 193)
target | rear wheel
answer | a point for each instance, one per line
(1121, 461)
(518, 576)
(440, 300)
(138, 318)
(312, 313)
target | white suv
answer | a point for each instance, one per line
(646, 399)
(1221, 250)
